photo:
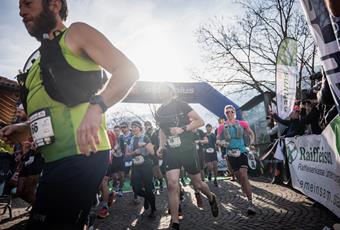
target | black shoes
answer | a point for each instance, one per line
(174, 226)
(146, 204)
(213, 205)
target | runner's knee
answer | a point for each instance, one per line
(173, 185)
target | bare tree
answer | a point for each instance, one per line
(127, 115)
(244, 54)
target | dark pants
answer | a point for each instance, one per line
(142, 182)
(66, 191)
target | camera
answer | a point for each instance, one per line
(315, 76)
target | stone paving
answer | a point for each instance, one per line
(279, 207)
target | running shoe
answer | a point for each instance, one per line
(152, 213)
(161, 186)
(180, 210)
(120, 193)
(104, 212)
(199, 199)
(183, 182)
(174, 226)
(146, 204)
(209, 177)
(214, 206)
(251, 210)
(215, 183)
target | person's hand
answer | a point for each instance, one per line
(159, 152)
(16, 133)
(141, 144)
(270, 111)
(87, 133)
(176, 130)
(137, 152)
(252, 148)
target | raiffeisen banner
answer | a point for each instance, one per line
(314, 165)
(320, 24)
(286, 74)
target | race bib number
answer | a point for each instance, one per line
(174, 142)
(128, 163)
(251, 161)
(210, 150)
(234, 152)
(138, 160)
(41, 128)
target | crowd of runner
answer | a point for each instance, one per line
(63, 153)
(151, 159)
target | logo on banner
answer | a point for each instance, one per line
(292, 151)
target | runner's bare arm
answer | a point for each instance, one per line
(86, 41)
(205, 140)
(149, 149)
(15, 133)
(334, 7)
(196, 121)
(162, 139)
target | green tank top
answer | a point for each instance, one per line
(65, 120)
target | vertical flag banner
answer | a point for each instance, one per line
(320, 25)
(286, 75)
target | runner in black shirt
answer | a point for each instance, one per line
(176, 120)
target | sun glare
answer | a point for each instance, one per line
(157, 56)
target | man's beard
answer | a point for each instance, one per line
(43, 23)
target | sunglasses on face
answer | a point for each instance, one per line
(123, 127)
(229, 111)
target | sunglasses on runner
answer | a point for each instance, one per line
(229, 111)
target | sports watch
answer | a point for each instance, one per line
(98, 100)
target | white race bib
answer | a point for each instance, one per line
(174, 141)
(138, 160)
(234, 152)
(210, 150)
(128, 163)
(41, 128)
(251, 161)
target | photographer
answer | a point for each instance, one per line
(294, 123)
(310, 115)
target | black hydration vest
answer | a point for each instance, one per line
(62, 82)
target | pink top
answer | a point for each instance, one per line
(244, 124)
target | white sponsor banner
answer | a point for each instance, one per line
(325, 37)
(285, 89)
(314, 165)
(286, 75)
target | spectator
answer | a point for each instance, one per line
(295, 126)
(310, 114)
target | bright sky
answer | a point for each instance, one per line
(157, 35)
